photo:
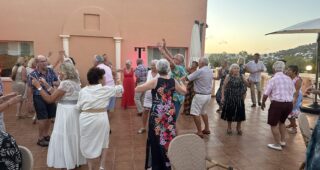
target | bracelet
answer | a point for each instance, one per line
(49, 89)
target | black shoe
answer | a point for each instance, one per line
(47, 138)
(253, 105)
(42, 142)
(259, 103)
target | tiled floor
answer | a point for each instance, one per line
(127, 148)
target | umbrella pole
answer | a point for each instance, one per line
(314, 107)
(317, 68)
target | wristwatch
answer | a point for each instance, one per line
(40, 88)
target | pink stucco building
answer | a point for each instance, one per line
(87, 27)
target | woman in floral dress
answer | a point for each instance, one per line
(162, 125)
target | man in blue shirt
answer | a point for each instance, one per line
(45, 111)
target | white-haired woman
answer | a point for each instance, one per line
(19, 77)
(64, 146)
(128, 85)
(162, 122)
(147, 102)
(233, 92)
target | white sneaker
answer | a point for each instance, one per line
(141, 130)
(275, 147)
(283, 144)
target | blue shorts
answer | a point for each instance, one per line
(43, 109)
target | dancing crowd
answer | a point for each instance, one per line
(81, 130)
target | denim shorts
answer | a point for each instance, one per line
(43, 109)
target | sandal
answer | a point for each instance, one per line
(206, 132)
(141, 130)
(239, 132)
(42, 142)
(200, 135)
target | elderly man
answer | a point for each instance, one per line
(99, 61)
(178, 71)
(141, 77)
(280, 90)
(202, 79)
(45, 112)
(255, 68)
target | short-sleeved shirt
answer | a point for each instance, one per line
(10, 154)
(202, 79)
(252, 66)
(141, 73)
(109, 81)
(50, 77)
(177, 73)
(280, 88)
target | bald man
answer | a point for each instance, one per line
(45, 112)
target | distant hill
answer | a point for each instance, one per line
(306, 51)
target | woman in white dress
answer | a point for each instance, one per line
(94, 122)
(64, 146)
(147, 102)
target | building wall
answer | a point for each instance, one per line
(140, 23)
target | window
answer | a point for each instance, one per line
(154, 53)
(10, 51)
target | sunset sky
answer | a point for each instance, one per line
(236, 25)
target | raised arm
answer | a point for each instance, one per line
(165, 52)
(10, 101)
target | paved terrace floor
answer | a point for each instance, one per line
(127, 148)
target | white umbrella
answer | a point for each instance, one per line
(195, 44)
(312, 26)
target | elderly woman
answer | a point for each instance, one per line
(19, 77)
(162, 122)
(233, 92)
(64, 148)
(293, 73)
(94, 122)
(128, 85)
(147, 102)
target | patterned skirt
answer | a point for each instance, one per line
(188, 98)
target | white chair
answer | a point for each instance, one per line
(188, 152)
(27, 158)
(305, 132)
(304, 128)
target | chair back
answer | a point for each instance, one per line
(27, 158)
(304, 127)
(187, 152)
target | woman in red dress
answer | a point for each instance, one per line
(128, 85)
